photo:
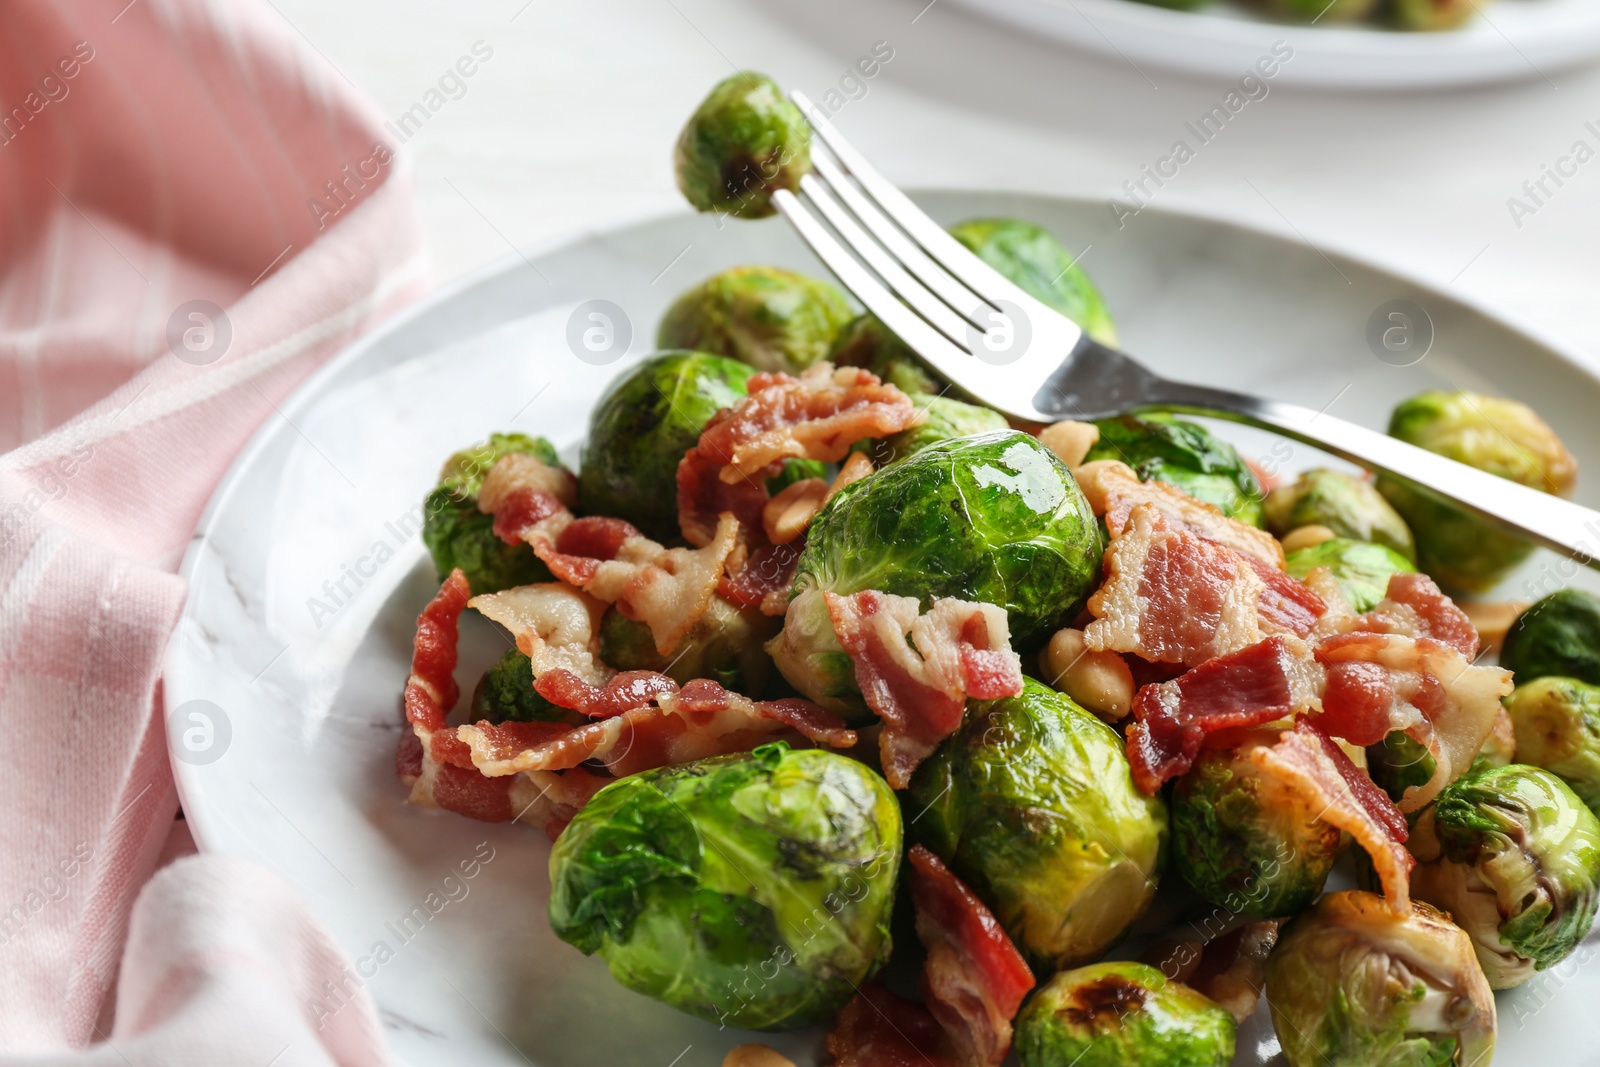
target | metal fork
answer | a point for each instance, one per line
(1004, 348)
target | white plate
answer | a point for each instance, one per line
(300, 773)
(1509, 39)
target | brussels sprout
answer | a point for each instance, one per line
(943, 420)
(505, 693)
(752, 890)
(1502, 437)
(994, 518)
(1556, 722)
(1120, 1015)
(1559, 635)
(771, 318)
(1353, 983)
(868, 343)
(459, 535)
(1040, 266)
(641, 428)
(1183, 454)
(1033, 805)
(1323, 10)
(1513, 855)
(1361, 569)
(1398, 762)
(742, 144)
(725, 646)
(1347, 504)
(1431, 14)
(1242, 841)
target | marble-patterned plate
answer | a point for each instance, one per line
(306, 575)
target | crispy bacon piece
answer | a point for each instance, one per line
(1114, 491)
(765, 579)
(431, 690)
(974, 978)
(1285, 605)
(554, 625)
(1413, 606)
(879, 1029)
(518, 472)
(818, 415)
(917, 670)
(626, 691)
(1270, 680)
(1307, 760)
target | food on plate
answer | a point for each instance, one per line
(1347, 504)
(1362, 569)
(742, 144)
(1032, 805)
(750, 890)
(1559, 635)
(1245, 839)
(1431, 14)
(1505, 438)
(1354, 983)
(1556, 724)
(1042, 267)
(1185, 455)
(460, 534)
(725, 645)
(1398, 14)
(943, 419)
(505, 693)
(1114, 1014)
(1326, 10)
(867, 343)
(1513, 856)
(770, 318)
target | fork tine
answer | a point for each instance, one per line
(930, 274)
(902, 284)
(945, 250)
(946, 357)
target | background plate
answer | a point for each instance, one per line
(306, 576)
(1509, 39)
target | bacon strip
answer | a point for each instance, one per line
(1114, 491)
(626, 691)
(974, 979)
(879, 1029)
(917, 670)
(766, 577)
(817, 416)
(1267, 681)
(554, 625)
(1309, 761)
(1413, 606)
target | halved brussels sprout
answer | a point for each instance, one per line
(459, 535)
(943, 420)
(1242, 841)
(725, 646)
(1514, 856)
(771, 318)
(994, 517)
(742, 144)
(1353, 983)
(1347, 504)
(1559, 635)
(1186, 455)
(1362, 570)
(1502, 437)
(641, 428)
(1120, 1015)
(751, 890)
(867, 343)
(1033, 805)
(1556, 722)
(505, 693)
(1041, 266)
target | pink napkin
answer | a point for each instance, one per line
(195, 212)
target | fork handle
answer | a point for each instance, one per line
(1558, 524)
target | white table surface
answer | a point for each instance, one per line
(569, 125)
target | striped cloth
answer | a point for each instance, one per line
(166, 278)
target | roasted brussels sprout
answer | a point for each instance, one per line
(994, 518)
(1398, 762)
(1184, 454)
(1242, 841)
(1041, 266)
(641, 428)
(1502, 437)
(1559, 635)
(943, 420)
(725, 646)
(866, 342)
(742, 144)
(1556, 722)
(771, 318)
(1353, 983)
(1513, 855)
(1347, 504)
(751, 890)
(1033, 805)
(1122, 1015)
(1361, 569)
(505, 693)
(459, 535)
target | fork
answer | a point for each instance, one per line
(1004, 348)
